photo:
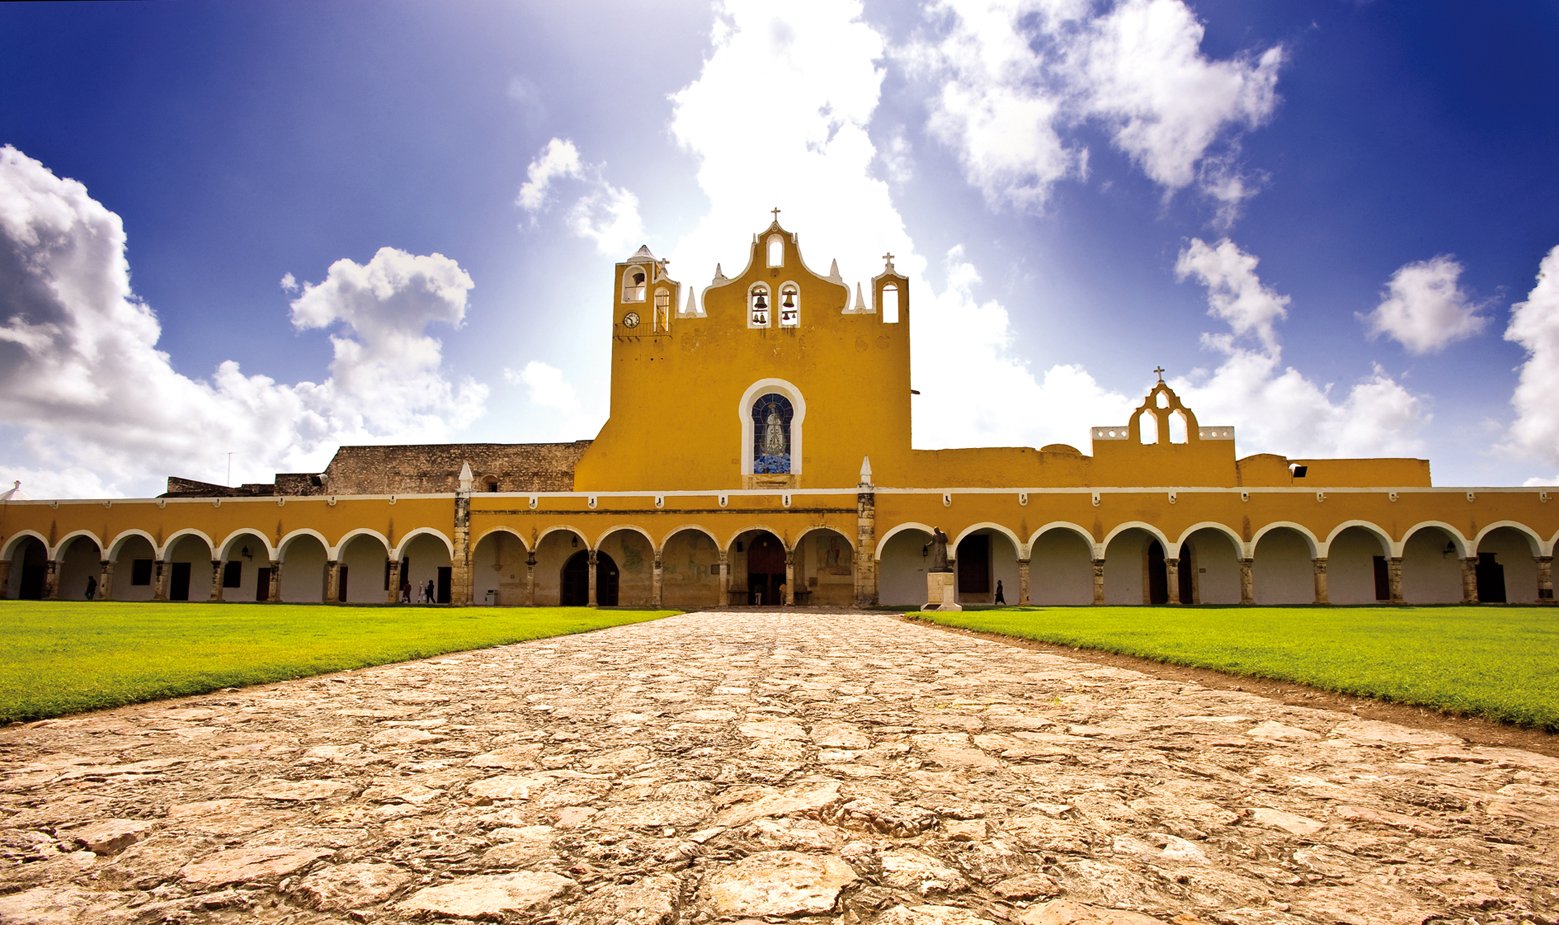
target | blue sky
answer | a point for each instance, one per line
(267, 229)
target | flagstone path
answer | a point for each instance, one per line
(747, 767)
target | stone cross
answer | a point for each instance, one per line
(1160, 371)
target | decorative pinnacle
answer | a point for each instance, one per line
(1160, 371)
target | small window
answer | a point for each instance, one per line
(790, 305)
(232, 574)
(141, 572)
(776, 250)
(758, 299)
(634, 282)
(490, 483)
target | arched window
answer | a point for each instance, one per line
(776, 251)
(890, 303)
(662, 309)
(771, 419)
(633, 284)
(1177, 427)
(1147, 428)
(790, 305)
(758, 302)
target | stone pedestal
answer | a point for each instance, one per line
(941, 591)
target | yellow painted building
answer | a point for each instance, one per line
(793, 479)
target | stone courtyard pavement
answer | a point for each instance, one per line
(747, 767)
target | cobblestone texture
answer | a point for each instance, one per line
(754, 767)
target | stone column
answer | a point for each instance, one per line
(1098, 581)
(1172, 578)
(865, 545)
(51, 581)
(1247, 582)
(1394, 578)
(590, 598)
(5, 578)
(216, 580)
(160, 577)
(657, 574)
(274, 593)
(725, 579)
(460, 574)
(530, 579)
(332, 581)
(1545, 579)
(790, 578)
(393, 596)
(1023, 581)
(1322, 596)
(1470, 580)
(105, 580)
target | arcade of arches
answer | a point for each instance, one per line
(761, 454)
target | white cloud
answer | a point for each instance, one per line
(1234, 292)
(603, 213)
(289, 283)
(97, 409)
(1014, 78)
(1275, 408)
(1534, 324)
(1424, 307)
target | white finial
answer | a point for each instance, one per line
(465, 476)
(866, 470)
(719, 274)
(860, 300)
(692, 306)
(833, 271)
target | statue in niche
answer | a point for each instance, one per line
(773, 432)
(938, 548)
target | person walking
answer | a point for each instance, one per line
(1000, 597)
(429, 593)
(91, 587)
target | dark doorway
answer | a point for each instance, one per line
(974, 567)
(262, 585)
(34, 562)
(576, 580)
(1382, 579)
(1491, 579)
(445, 576)
(765, 569)
(340, 584)
(178, 582)
(1158, 576)
(1187, 574)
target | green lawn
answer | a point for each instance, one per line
(1497, 662)
(64, 657)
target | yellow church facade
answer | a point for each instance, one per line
(793, 481)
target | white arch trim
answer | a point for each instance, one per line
(173, 540)
(286, 541)
(901, 528)
(563, 528)
(689, 528)
(1455, 534)
(825, 529)
(333, 553)
(71, 536)
(449, 545)
(1170, 549)
(497, 530)
(1523, 529)
(1315, 545)
(16, 539)
(1386, 545)
(627, 528)
(798, 409)
(777, 534)
(1065, 526)
(115, 547)
(246, 531)
(1017, 544)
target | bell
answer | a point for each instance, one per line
(759, 301)
(790, 298)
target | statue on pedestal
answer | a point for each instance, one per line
(938, 547)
